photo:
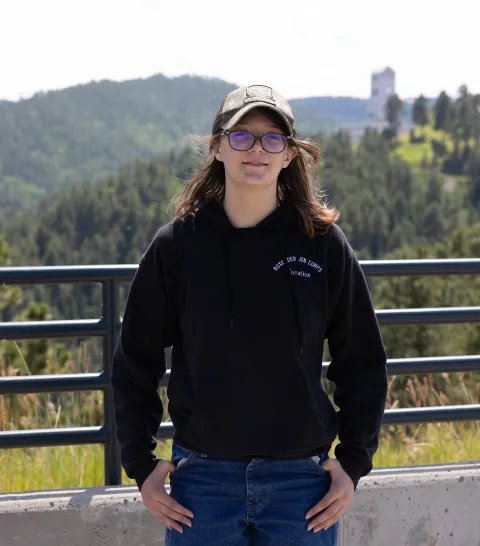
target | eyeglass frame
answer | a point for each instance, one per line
(255, 138)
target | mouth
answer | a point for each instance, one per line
(255, 164)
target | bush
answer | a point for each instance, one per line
(439, 148)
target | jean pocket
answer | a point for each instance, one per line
(316, 461)
(182, 461)
(181, 456)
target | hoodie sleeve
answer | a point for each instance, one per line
(139, 364)
(358, 359)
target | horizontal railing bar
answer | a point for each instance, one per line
(435, 364)
(94, 381)
(436, 414)
(427, 315)
(438, 315)
(53, 383)
(450, 266)
(47, 437)
(125, 272)
(43, 329)
(54, 437)
(98, 327)
(427, 365)
(99, 435)
(70, 274)
(166, 431)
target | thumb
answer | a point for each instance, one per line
(168, 465)
(328, 465)
(165, 466)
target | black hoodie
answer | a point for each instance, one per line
(246, 311)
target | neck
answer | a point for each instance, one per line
(247, 207)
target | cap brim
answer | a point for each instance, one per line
(239, 115)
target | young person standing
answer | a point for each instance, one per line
(245, 284)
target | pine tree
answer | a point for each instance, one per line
(394, 113)
(441, 110)
(420, 111)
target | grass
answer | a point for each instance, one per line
(416, 153)
(431, 443)
(420, 156)
(83, 466)
(60, 467)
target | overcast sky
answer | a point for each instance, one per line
(301, 47)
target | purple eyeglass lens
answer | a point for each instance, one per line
(241, 140)
(274, 143)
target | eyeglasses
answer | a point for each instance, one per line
(241, 141)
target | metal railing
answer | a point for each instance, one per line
(108, 326)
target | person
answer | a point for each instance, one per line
(245, 284)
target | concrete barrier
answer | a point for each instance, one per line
(407, 506)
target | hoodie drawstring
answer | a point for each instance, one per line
(227, 263)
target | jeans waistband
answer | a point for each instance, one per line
(320, 452)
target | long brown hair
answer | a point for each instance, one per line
(295, 183)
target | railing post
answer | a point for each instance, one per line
(113, 469)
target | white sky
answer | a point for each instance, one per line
(301, 47)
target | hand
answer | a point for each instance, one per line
(164, 507)
(338, 498)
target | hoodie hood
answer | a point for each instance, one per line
(213, 212)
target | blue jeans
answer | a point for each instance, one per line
(243, 503)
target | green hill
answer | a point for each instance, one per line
(60, 138)
(338, 110)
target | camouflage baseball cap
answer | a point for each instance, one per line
(242, 100)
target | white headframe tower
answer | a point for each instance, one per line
(383, 85)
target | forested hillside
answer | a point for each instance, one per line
(61, 138)
(110, 221)
(384, 202)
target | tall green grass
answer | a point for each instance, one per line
(83, 466)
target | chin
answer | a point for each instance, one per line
(255, 180)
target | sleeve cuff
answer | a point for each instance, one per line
(143, 470)
(353, 468)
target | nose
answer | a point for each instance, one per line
(257, 146)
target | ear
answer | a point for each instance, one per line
(216, 150)
(291, 153)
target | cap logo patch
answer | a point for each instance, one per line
(259, 93)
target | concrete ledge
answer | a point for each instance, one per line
(408, 506)
(416, 506)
